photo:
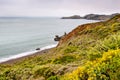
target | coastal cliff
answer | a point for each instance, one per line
(92, 17)
(89, 52)
(72, 17)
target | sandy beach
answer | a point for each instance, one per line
(12, 61)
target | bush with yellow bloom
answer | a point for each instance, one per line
(105, 68)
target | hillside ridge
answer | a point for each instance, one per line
(92, 17)
(80, 28)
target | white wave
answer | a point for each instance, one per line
(25, 53)
(48, 47)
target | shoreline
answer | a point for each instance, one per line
(15, 58)
(13, 61)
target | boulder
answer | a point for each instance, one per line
(57, 38)
(37, 48)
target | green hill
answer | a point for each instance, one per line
(89, 52)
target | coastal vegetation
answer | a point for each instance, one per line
(89, 52)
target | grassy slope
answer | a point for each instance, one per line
(89, 52)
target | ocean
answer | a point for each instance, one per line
(21, 36)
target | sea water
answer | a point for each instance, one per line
(21, 36)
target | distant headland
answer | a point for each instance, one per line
(92, 17)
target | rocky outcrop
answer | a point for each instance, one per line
(92, 17)
(96, 17)
(58, 38)
(72, 17)
(99, 17)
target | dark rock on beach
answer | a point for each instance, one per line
(37, 48)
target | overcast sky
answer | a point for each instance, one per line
(57, 7)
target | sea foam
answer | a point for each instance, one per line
(25, 53)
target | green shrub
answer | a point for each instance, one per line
(115, 27)
(70, 49)
(64, 59)
(111, 42)
(45, 72)
(2, 77)
(53, 78)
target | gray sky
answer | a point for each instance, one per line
(57, 7)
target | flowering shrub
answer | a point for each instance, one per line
(105, 68)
